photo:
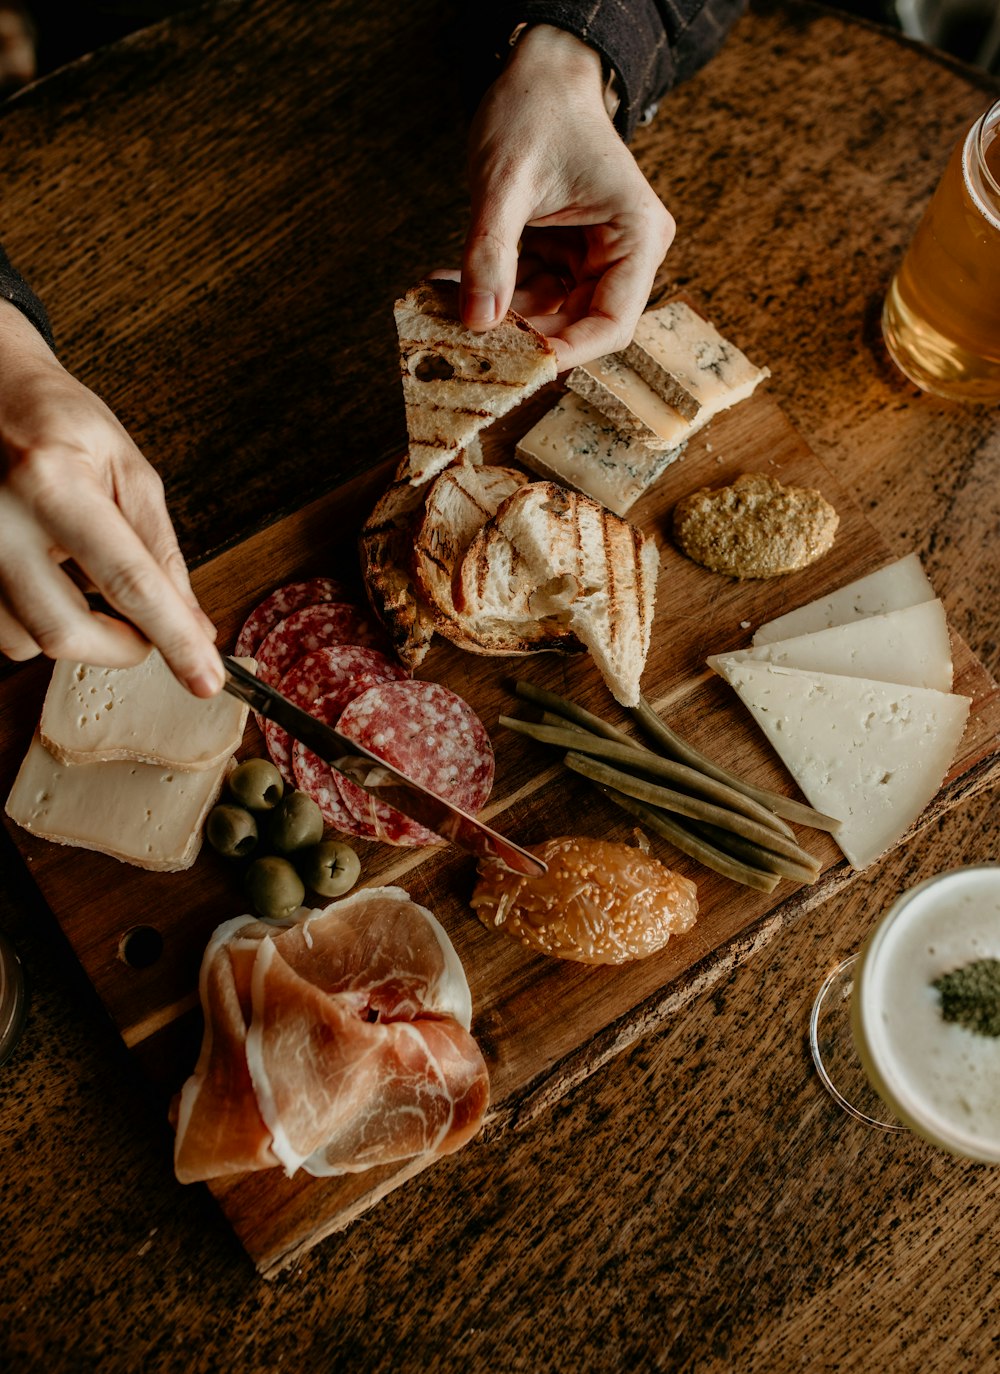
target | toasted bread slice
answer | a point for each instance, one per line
(385, 547)
(494, 593)
(563, 561)
(455, 382)
(459, 502)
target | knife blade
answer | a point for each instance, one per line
(378, 777)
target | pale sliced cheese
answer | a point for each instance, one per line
(690, 350)
(142, 714)
(873, 754)
(577, 446)
(629, 402)
(892, 588)
(136, 812)
(910, 646)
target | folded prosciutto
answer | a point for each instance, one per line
(332, 1045)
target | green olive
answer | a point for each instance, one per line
(232, 831)
(274, 888)
(331, 868)
(295, 823)
(257, 784)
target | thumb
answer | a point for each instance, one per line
(489, 260)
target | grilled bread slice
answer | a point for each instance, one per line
(385, 547)
(564, 562)
(459, 502)
(498, 604)
(455, 382)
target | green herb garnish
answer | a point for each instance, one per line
(970, 995)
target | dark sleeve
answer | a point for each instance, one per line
(15, 289)
(651, 44)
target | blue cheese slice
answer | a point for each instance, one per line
(630, 403)
(674, 345)
(141, 714)
(891, 588)
(873, 754)
(577, 446)
(141, 814)
(909, 646)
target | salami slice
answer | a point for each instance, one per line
(430, 733)
(309, 629)
(281, 603)
(330, 669)
(317, 778)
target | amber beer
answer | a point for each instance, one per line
(941, 318)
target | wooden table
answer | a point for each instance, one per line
(218, 213)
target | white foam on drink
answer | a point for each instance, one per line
(975, 195)
(941, 1078)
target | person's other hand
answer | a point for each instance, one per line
(73, 485)
(565, 226)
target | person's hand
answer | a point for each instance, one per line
(73, 485)
(565, 226)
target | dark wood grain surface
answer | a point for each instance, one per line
(217, 213)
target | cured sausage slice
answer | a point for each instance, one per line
(430, 733)
(281, 603)
(309, 629)
(317, 778)
(334, 668)
(338, 1044)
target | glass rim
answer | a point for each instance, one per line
(989, 119)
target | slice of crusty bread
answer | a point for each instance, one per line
(385, 546)
(495, 597)
(459, 502)
(456, 381)
(558, 559)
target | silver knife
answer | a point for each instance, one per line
(387, 783)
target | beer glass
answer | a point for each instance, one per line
(941, 318)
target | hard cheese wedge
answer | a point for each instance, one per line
(909, 646)
(142, 814)
(577, 446)
(872, 754)
(142, 714)
(892, 588)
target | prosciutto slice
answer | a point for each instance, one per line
(333, 1045)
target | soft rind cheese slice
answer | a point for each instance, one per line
(892, 588)
(141, 714)
(141, 814)
(690, 350)
(911, 646)
(575, 445)
(873, 754)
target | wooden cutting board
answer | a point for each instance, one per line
(543, 1025)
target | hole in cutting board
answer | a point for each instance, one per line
(140, 947)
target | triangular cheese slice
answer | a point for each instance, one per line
(455, 382)
(873, 754)
(911, 646)
(900, 584)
